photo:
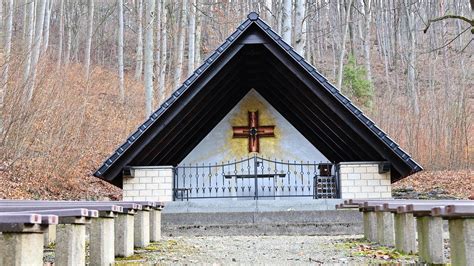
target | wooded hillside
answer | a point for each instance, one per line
(78, 76)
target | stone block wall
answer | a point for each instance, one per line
(362, 180)
(153, 183)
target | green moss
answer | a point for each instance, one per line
(133, 257)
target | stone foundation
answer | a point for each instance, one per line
(362, 180)
(153, 183)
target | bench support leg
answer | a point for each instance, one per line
(385, 229)
(71, 244)
(102, 241)
(50, 235)
(405, 233)
(430, 239)
(461, 237)
(155, 225)
(370, 226)
(142, 229)
(21, 249)
(124, 237)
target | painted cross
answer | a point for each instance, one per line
(253, 132)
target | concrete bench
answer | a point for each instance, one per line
(21, 241)
(386, 218)
(116, 227)
(461, 231)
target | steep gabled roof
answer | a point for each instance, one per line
(254, 56)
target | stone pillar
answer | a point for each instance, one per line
(142, 229)
(124, 235)
(370, 226)
(155, 225)
(71, 245)
(362, 180)
(385, 229)
(430, 239)
(405, 233)
(21, 249)
(149, 183)
(461, 238)
(50, 235)
(102, 241)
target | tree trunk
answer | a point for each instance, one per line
(300, 24)
(2, 16)
(411, 58)
(25, 20)
(343, 46)
(29, 49)
(163, 51)
(286, 21)
(61, 34)
(149, 18)
(191, 36)
(8, 46)
(120, 51)
(197, 39)
(37, 46)
(69, 35)
(47, 22)
(180, 49)
(90, 23)
(157, 48)
(139, 63)
(368, 21)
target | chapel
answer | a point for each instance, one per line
(257, 121)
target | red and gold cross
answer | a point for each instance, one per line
(253, 132)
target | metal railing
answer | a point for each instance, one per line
(256, 177)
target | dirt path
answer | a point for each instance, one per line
(259, 250)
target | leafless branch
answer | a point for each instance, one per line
(470, 21)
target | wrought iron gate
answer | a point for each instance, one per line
(254, 178)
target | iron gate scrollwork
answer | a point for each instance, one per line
(256, 177)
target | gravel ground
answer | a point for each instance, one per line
(255, 250)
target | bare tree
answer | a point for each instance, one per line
(368, 21)
(286, 21)
(411, 57)
(343, 45)
(197, 39)
(90, 24)
(67, 58)
(29, 44)
(40, 13)
(158, 47)
(180, 48)
(120, 51)
(47, 21)
(61, 34)
(139, 56)
(163, 51)
(6, 66)
(149, 18)
(300, 24)
(191, 36)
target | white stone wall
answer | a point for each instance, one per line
(219, 146)
(153, 183)
(361, 180)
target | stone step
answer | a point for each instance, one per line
(263, 223)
